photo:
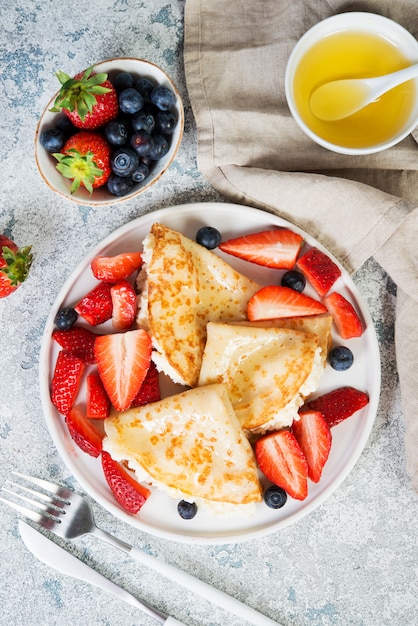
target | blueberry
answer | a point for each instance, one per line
(146, 159)
(275, 497)
(124, 161)
(340, 358)
(163, 98)
(187, 510)
(208, 237)
(117, 132)
(65, 318)
(145, 87)
(142, 143)
(293, 279)
(165, 122)
(130, 101)
(141, 172)
(119, 185)
(123, 80)
(143, 121)
(53, 140)
(64, 124)
(160, 148)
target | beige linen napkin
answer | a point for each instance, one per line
(252, 151)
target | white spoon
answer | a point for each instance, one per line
(341, 98)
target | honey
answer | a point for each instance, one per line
(349, 54)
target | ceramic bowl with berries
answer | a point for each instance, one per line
(110, 132)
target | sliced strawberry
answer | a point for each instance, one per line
(96, 305)
(78, 341)
(66, 381)
(344, 315)
(339, 404)
(130, 494)
(124, 305)
(150, 388)
(83, 433)
(123, 360)
(282, 461)
(111, 269)
(97, 400)
(271, 248)
(319, 270)
(314, 437)
(275, 302)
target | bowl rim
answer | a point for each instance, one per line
(364, 21)
(115, 199)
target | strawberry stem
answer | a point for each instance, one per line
(17, 264)
(79, 94)
(81, 169)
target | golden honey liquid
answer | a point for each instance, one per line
(355, 55)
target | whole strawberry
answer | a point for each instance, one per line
(88, 99)
(85, 159)
(14, 265)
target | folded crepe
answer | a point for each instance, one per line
(190, 445)
(184, 286)
(320, 325)
(267, 371)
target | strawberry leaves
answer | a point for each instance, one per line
(85, 160)
(15, 264)
(79, 93)
(79, 168)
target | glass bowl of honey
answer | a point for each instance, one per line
(354, 45)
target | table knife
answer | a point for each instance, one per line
(57, 557)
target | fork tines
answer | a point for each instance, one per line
(44, 509)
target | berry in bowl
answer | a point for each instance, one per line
(110, 132)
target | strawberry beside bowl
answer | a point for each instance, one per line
(138, 69)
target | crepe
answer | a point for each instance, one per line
(190, 445)
(267, 371)
(319, 325)
(183, 286)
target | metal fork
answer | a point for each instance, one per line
(69, 515)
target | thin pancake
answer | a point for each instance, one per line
(186, 286)
(267, 371)
(319, 325)
(190, 445)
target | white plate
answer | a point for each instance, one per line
(159, 515)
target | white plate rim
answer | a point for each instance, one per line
(202, 212)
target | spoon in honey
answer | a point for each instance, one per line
(340, 98)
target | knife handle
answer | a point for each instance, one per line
(218, 597)
(63, 561)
